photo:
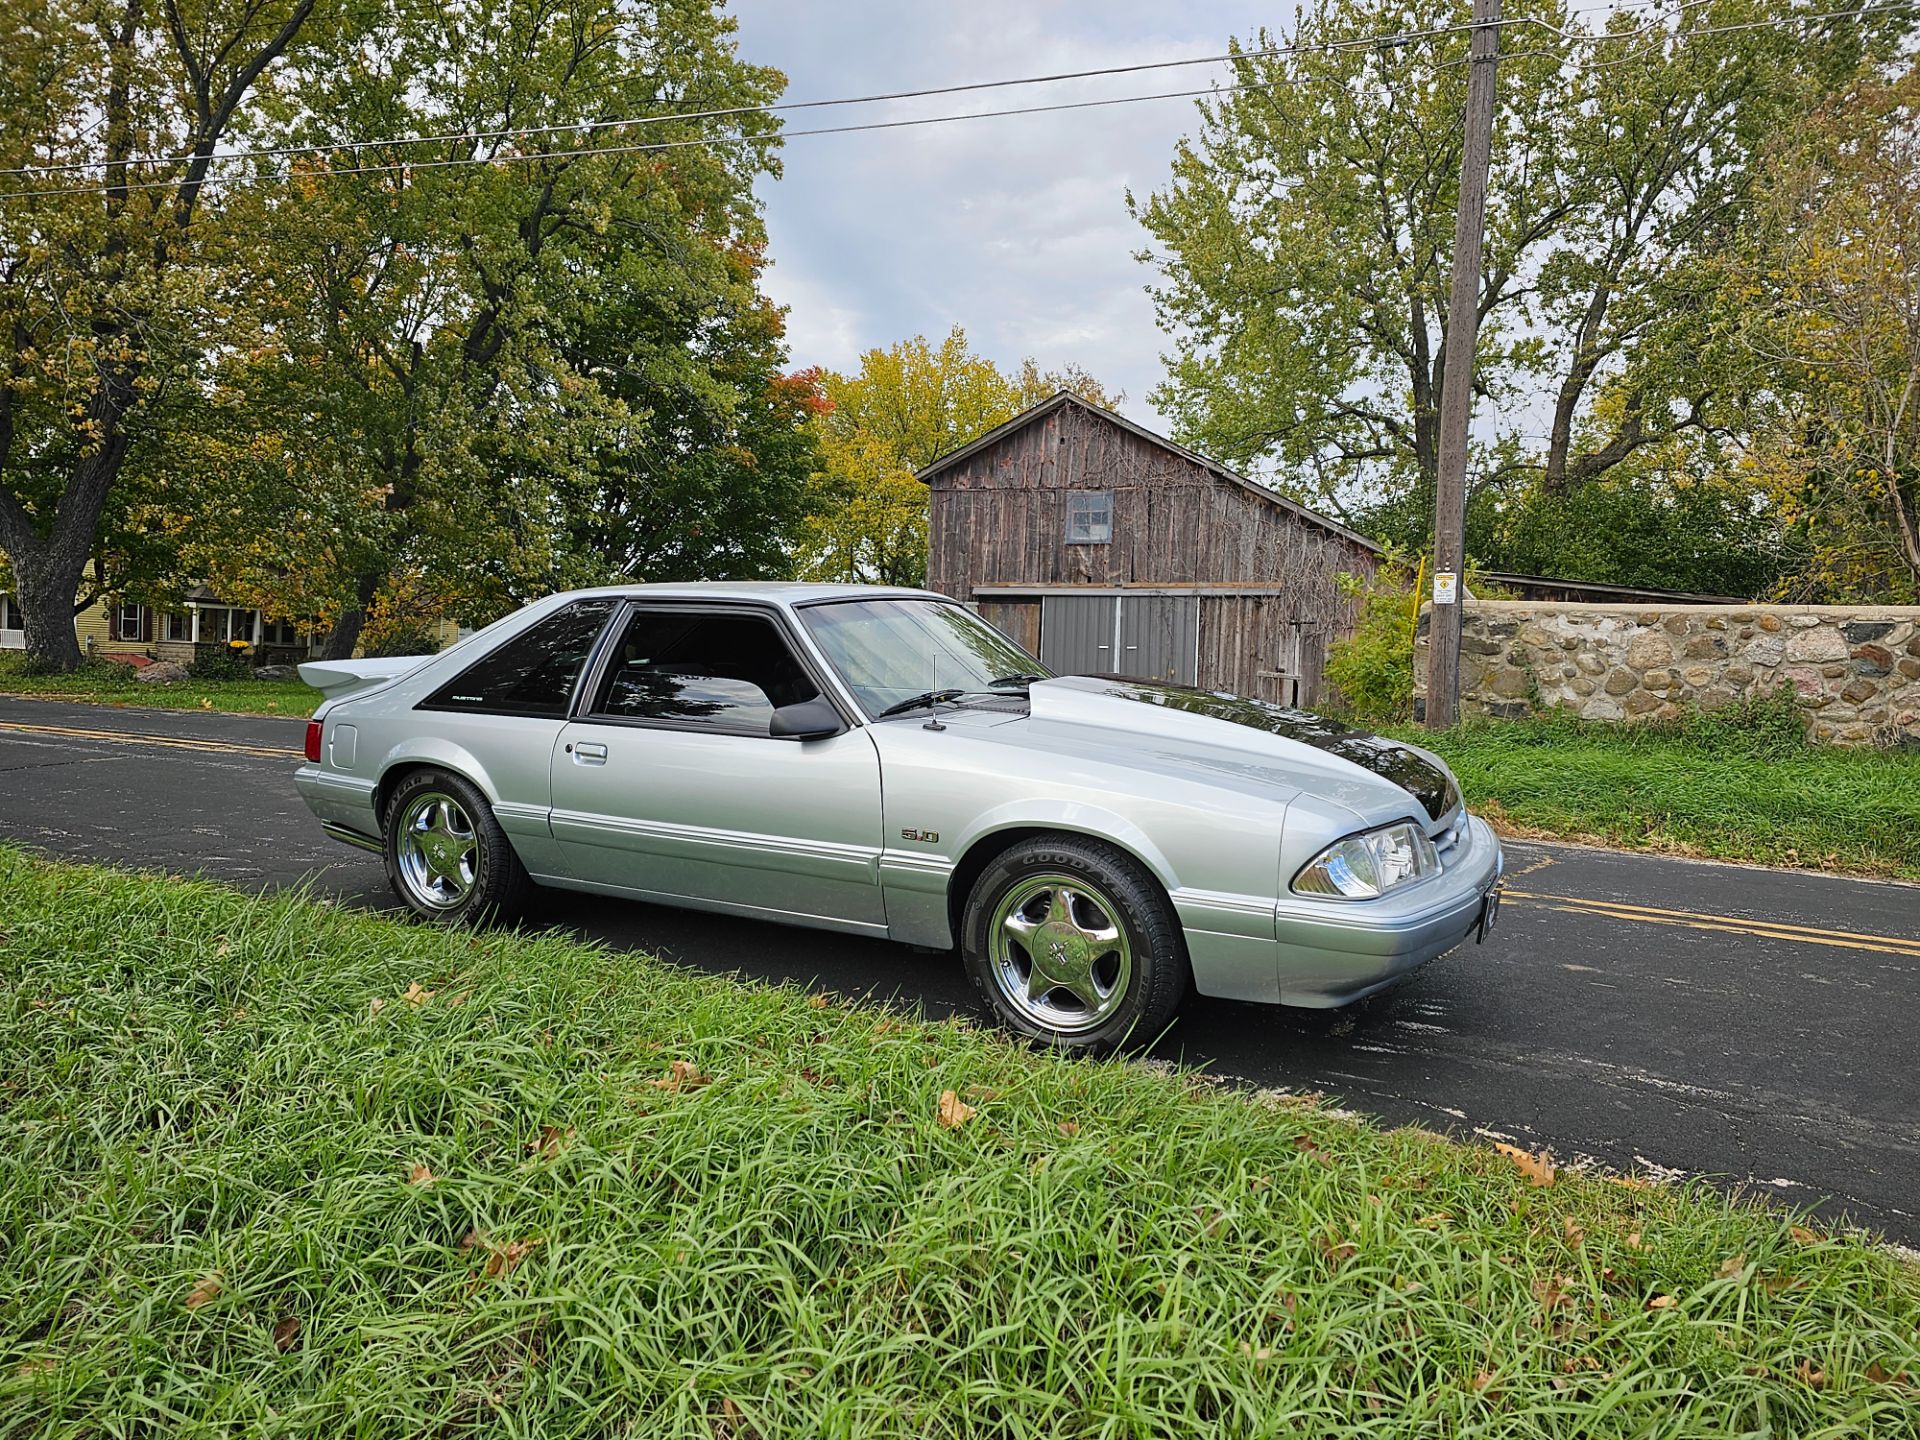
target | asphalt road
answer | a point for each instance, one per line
(1659, 1015)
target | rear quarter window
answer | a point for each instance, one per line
(534, 673)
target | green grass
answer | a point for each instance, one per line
(213, 1108)
(1746, 787)
(113, 684)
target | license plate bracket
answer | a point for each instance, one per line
(1489, 914)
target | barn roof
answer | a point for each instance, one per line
(1213, 467)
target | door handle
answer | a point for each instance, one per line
(590, 752)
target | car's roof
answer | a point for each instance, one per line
(782, 592)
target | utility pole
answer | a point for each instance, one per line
(1456, 384)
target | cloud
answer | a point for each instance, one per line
(1015, 227)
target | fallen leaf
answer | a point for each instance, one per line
(1576, 1232)
(416, 994)
(1306, 1146)
(1260, 1182)
(1878, 1373)
(954, 1112)
(1439, 1217)
(817, 1002)
(375, 1006)
(1482, 1382)
(206, 704)
(1336, 1251)
(1537, 1168)
(421, 1176)
(1551, 1291)
(681, 1075)
(1804, 1235)
(471, 1239)
(1662, 1302)
(1732, 1266)
(35, 1367)
(1265, 1352)
(286, 1333)
(503, 1259)
(1627, 1182)
(209, 1286)
(551, 1142)
(1068, 1128)
(1634, 1242)
(1808, 1376)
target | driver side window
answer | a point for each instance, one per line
(724, 671)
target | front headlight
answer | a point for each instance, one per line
(1361, 867)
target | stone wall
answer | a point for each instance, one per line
(1856, 669)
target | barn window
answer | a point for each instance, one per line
(1090, 517)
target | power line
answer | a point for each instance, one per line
(650, 147)
(732, 112)
(1374, 42)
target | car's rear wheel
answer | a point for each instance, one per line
(447, 856)
(1072, 943)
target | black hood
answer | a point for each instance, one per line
(1390, 760)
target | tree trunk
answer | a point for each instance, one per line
(45, 585)
(346, 630)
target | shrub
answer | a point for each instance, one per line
(218, 665)
(1372, 669)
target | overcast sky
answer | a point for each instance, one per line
(1014, 227)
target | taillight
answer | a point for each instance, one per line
(313, 739)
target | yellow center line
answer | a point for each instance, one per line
(131, 737)
(1726, 924)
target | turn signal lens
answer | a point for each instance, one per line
(1362, 867)
(313, 740)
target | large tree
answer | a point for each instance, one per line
(531, 355)
(1831, 284)
(110, 274)
(1304, 244)
(906, 406)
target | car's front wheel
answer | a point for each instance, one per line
(447, 857)
(1072, 943)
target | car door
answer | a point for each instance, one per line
(669, 783)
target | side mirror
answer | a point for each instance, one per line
(813, 719)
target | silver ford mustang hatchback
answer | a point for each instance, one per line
(883, 762)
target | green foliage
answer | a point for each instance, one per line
(218, 663)
(907, 406)
(1372, 669)
(306, 1165)
(1706, 533)
(488, 380)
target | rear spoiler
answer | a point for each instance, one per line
(337, 679)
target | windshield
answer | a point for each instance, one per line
(892, 650)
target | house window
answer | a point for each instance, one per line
(180, 625)
(129, 622)
(279, 632)
(1090, 517)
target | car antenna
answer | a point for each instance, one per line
(933, 706)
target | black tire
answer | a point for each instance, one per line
(437, 879)
(1143, 984)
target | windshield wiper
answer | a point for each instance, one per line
(1021, 680)
(931, 697)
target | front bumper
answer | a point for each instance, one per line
(1333, 952)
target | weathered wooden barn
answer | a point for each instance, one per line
(1103, 547)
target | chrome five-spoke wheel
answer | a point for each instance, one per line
(1059, 954)
(439, 851)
